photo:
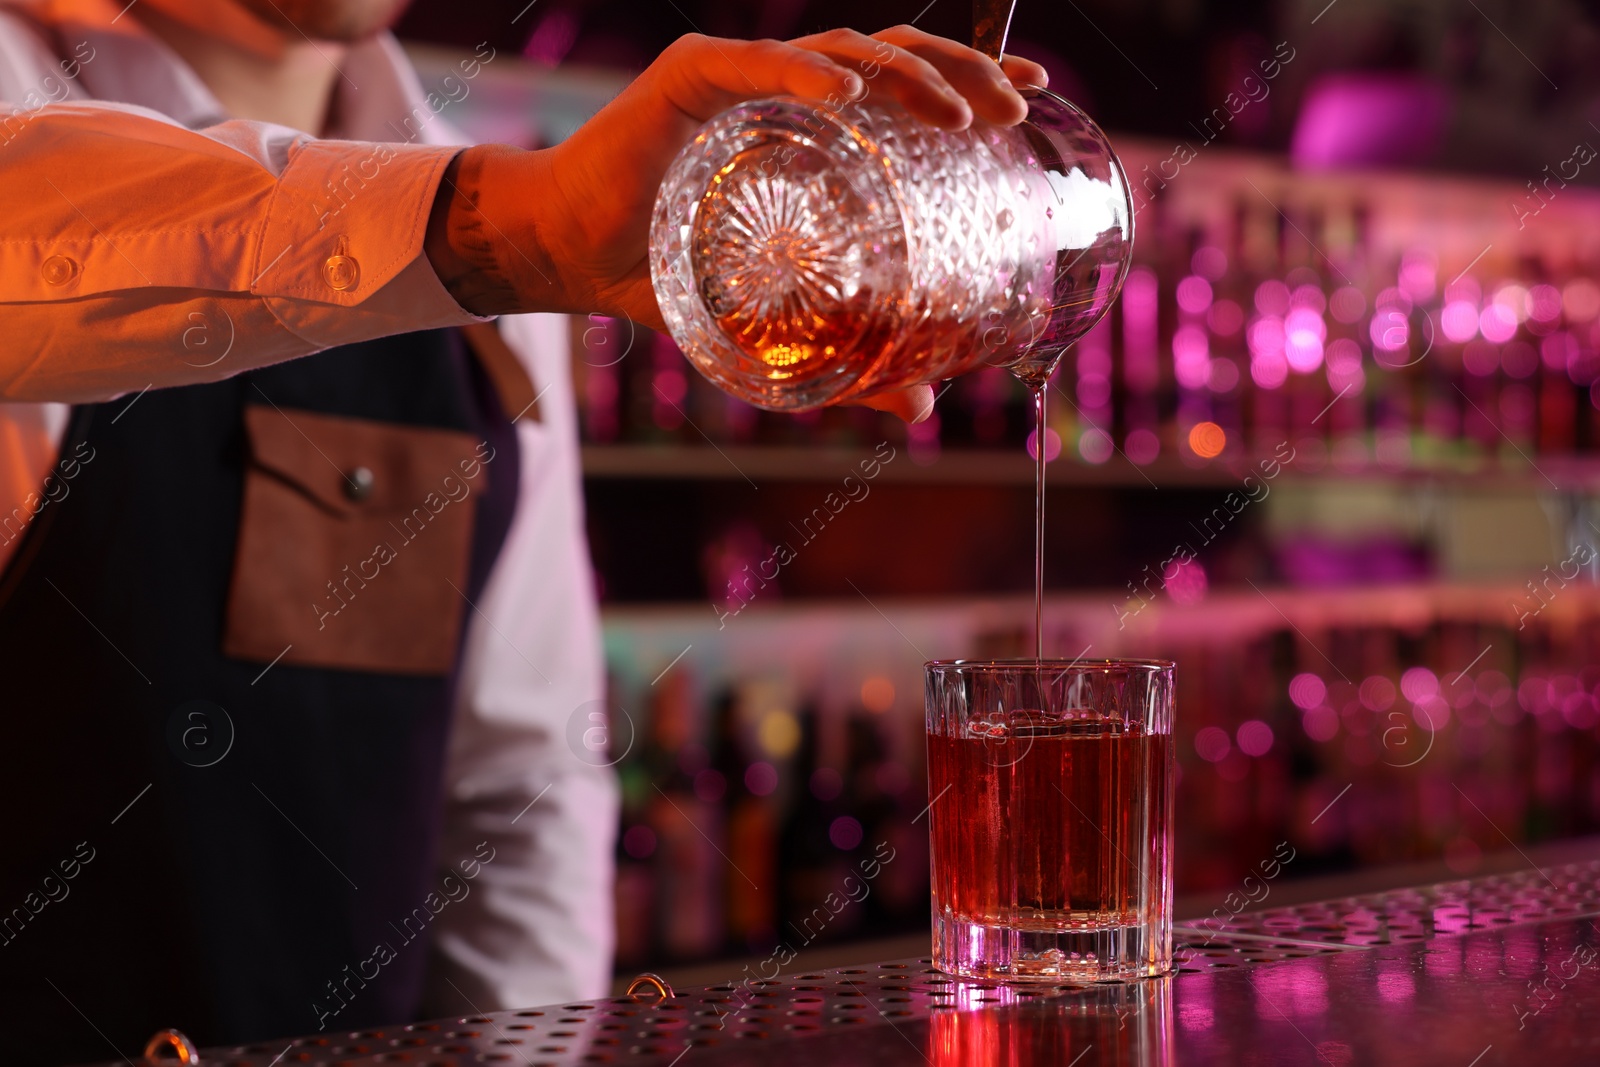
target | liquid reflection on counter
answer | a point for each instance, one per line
(1125, 1024)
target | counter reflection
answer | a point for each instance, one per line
(1124, 1024)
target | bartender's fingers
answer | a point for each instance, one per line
(913, 404)
(1024, 72)
(903, 74)
(988, 87)
(702, 76)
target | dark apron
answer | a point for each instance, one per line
(205, 841)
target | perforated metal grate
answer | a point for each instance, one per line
(1425, 912)
(1203, 953)
(640, 1030)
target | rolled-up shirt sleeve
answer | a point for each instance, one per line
(137, 252)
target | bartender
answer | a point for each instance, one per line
(293, 648)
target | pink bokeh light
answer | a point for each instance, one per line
(1185, 581)
(1225, 318)
(1320, 723)
(1272, 298)
(1209, 261)
(1052, 444)
(845, 833)
(1348, 305)
(1142, 447)
(1191, 357)
(1094, 391)
(1095, 446)
(1344, 366)
(1497, 323)
(1212, 745)
(1310, 297)
(1459, 321)
(1194, 294)
(1419, 683)
(1269, 371)
(761, 778)
(1519, 359)
(1390, 330)
(1307, 691)
(1377, 692)
(1480, 358)
(1419, 273)
(1254, 738)
(1224, 375)
(1544, 303)
(1304, 332)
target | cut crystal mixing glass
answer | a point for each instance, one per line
(803, 255)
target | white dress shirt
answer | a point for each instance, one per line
(124, 221)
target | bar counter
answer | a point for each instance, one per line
(1497, 970)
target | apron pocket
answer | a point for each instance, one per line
(354, 543)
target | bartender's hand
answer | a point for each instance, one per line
(566, 229)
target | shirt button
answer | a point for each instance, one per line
(59, 270)
(358, 483)
(342, 273)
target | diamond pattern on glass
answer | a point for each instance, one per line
(802, 256)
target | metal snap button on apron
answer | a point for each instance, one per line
(358, 483)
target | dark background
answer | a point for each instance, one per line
(1490, 88)
(1521, 76)
(1522, 81)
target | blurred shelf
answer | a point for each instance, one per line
(787, 463)
(1191, 907)
(796, 463)
(511, 100)
(835, 643)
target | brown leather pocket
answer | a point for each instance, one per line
(354, 543)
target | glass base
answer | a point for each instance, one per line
(1102, 953)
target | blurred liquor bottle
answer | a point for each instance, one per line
(751, 875)
(811, 864)
(686, 817)
(882, 801)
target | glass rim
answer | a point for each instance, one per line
(1057, 665)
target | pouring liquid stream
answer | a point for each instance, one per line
(1040, 457)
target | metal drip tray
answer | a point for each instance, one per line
(1194, 954)
(1445, 909)
(641, 1030)
(644, 1030)
(904, 1010)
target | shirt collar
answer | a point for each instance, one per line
(390, 104)
(377, 96)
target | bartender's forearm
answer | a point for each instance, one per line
(483, 240)
(566, 228)
(135, 252)
(514, 231)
